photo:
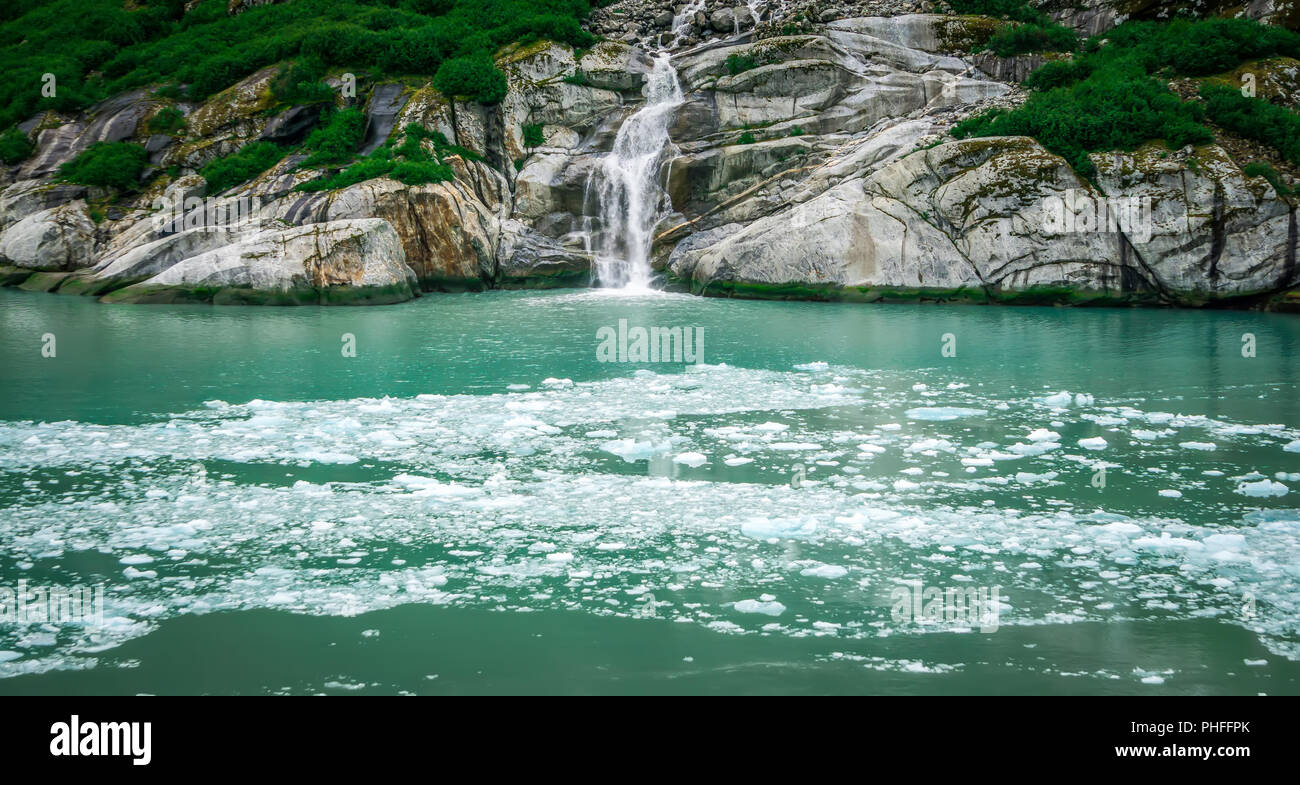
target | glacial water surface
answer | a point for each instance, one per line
(474, 503)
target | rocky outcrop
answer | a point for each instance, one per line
(810, 158)
(338, 262)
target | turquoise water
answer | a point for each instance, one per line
(474, 503)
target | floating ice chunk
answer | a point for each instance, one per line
(977, 461)
(559, 557)
(557, 383)
(519, 387)
(1144, 435)
(1255, 663)
(1029, 478)
(738, 461)
(764, 528)
(1225, 542)
(812, 366)
(905, 485)
(136, 558)
(1153, 679)
(603, 434)
(771, 427)
(1292, 446)
(632, 450)
(918, 387)
(1061, 399)
(772, 608)
(942, 413)
(1037, 448)
(1262, 489)
(1093, 443)
(1170, 493)
(828, 571)
(132, 572)
(1204, 446)
(1043, 435)
(691, 459)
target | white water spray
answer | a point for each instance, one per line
(631, 198)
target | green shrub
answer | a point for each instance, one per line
(337, 139)
(250, 161)
(739, 63)
(14, 146)
(797, 131)
(577, 77)
(168, 120)
(1022, 39)
(1015, 10)
(301, 83)
(1265, 169)
(109, 164)
(533, 136)
(1254, 118)
(407, 161)
(1109, 98)
(746, 138)
(1114, 109)
(421, 172)
(97, 48)
(475, 78)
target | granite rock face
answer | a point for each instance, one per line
(809, 158)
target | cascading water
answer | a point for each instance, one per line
(631, 198)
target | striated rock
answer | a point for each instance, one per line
(60, 238)
(340, 262)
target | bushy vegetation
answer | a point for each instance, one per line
(1015, 10)
(97, 48)
(1033, 31)
(1112, 97)
(408, 161)
(1254, 119)
(473, 77)
(14, 146)
(740, 63)
(1021, 39)
(337, 139)
(251, 160)
(533, 136)
(302, 83)
(168, 120)
(1265, 169)
(110, 164)
(747, 138)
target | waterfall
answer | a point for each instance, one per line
(631, 198)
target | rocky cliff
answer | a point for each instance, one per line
(809, 158)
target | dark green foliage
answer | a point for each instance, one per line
(1109, 98)
(1265, 169)
(533, 136)
(797, 131)
(1021, 39)
(577, 77)
(475, 78)
(407, 161)
(128, 45)
(251, 160)
(1015, 10)
(111, 164)
(167, 120)
(1254, 119)
(1113, 110)
(14, 146)
(738, 63)
(746, 138)
(336, 139)
(302, 83)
